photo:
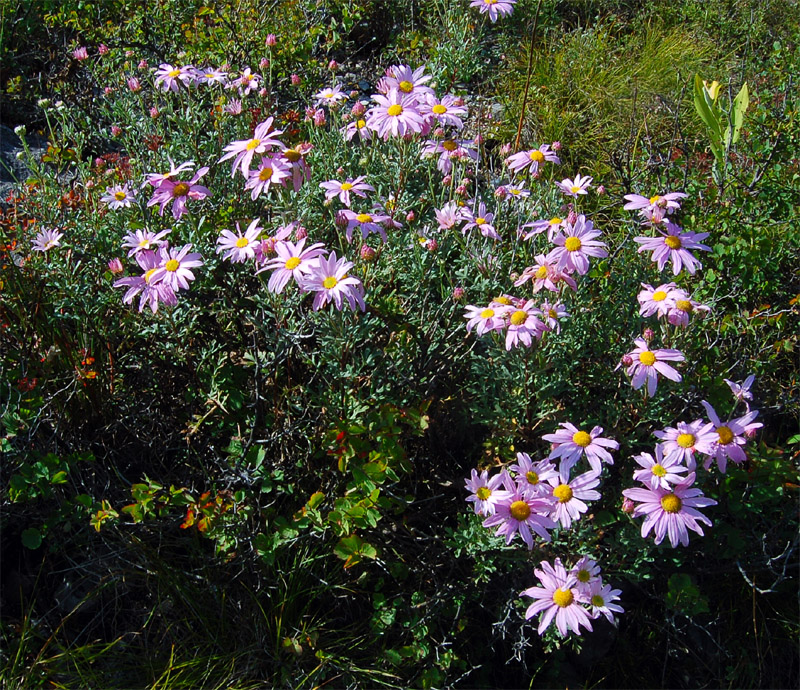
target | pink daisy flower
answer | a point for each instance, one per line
(570, 496)
(155, 179)
(580, 185)
(407, 82)
(296, 157)
(522, 512)
(494, 8)
(741, 392)
(552, 315)
(683, 308)
(485, 319)
(532, 159)
(601, 600)
(396, 114)
(366, 223)
(142, 240)
(449, 150)
(570, 443)
(671, 512)
(152, 291)
(674, 246)
(648, 364)
(682, 442)
(118, 196)
(209, 75)
(292, 261)
(575, 244)
(484, 492)
(659, 471)
(586, 572)
(239, 247)
(516, 193)
(449, 216)
(264, 138)
(248, 81)
(531, 476)
(272, 170)
(174, 269)
(658, 300)
(46, 240)
(169, 78)
(330, 280)
(557, 598)
(445, 111)
(666, 203)
(524, 325)
(482, 221)
(179, 192)
(731, 436)
(356, 186)
(545, 274)
(358, 128)
(330, 96)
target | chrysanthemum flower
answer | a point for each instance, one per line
(570, 443)
(264, 138)
(355, 186)
(448, 151)
(571, 494)
(330, 96)
(524, 325)
(366, 223)
(531, 476)
(396, 114)
(292, 261)
(688, 438)
(175, 266)
(485, 319)
(482, 220)
(357, 127)
(330, 280)
(142, 240)
(484, 492)
(169, 78)
(248, 81)
(741, 392)
(580, 185)
(659, 471)
(522, 512)
(545, 274)
(239, 247)
(730, 438)
(209, 75)
(575, 244)
(495, 8)
(684, 306)
(179, 192)
(118, 196)
(152, 291)
(671, 512)
(674, 245)
(46, 240)
(648, 364)
(552, 315)
(449, 216)
(586, 572)
(444, 111)
(657, 300)
(155, 179)
(272, 170)
(601, 600)
(557, 598)
(407, 82)
(516, 193)
(532, 159)
(667, 203)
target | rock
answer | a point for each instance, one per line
(12, 169)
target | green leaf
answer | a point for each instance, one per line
(708, 116)
(740, 105)
(31, 538)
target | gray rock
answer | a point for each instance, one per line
(12, 169)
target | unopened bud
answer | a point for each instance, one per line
(300, 233)
(115, 266)
(411, 216)
(458, 293)
(556, 146)
(628, 505)
(433, 245)
(368, 253)
(271, 40)
(627, 360)
(648, 334)
(333, 65)
(295, 79)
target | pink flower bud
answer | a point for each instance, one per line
(628, 506)
(572, 218)
(80, 53)
(310, 112)
(627, 360)
(438, 132)
(102, 49)
(300, 233)
(447, 179)
(458, 293)
(340, 170)
(295, 79)
(368, 253)
(319, 118)
(501, 192)
(461, 190)
(354, 94)
(271, 40)
(154, 112)
(333, 65)
(505, 149)
(115, 131)
(268, 246)
(433, 245)
(108, 90)
(341, 219)
(99, 163)
(556, 146)
(648, 334)
(411, 216)
(262, 92)
(115, 266)
(134, 85)
(142, 63)
(358, 109)
(601, 190)
(478, 139)
(263, 63)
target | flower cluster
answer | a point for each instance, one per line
(573, 599)
(522, 320)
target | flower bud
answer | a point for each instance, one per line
(601, 190)
(319, 118)
(142, 63)
(300, 233)
(501, 192)
(154, 112)
(263, 63)
(411, 216)
(295, 79)
(626, 360)
(447, 179)
(341, 219)
(648, 335)
(80, 53)
(134, 85)
(432, 245)
(102, 49)
(505, 149)
(333, 65)
(358, 109)
(368, 253)
(108, 90)
(20, 130)
(572, 218)
(458, 293)
(556, 146)
(271, 40)
(115, 131)
(628, 505)
(115, 266)
(461, 190)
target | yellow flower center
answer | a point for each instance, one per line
(572, 244)
(406, 86)
(598, 601)
(671, 503)
(439, 109)
(180, 189)
(361, 124)
(502, 300)
(329, 282)
(536, 156)
(480, 221)
(487, 313)
(563, 493)
(483, 493)
(253, 144)
(555, 220)
(144, 244)
(120, 196)
(684, 305)
(552, 313)
(685, 440)
(532, 477)
(394, 110)
(563, 598)
(654, 199)
(449, 145)
(242, 242)
(149, 275)
(292, 155)
(265, 174)
(584, 575)
(659, 296)
(292, 263)
(346, 186)
(672, 242)
(658, 470)
(541, 272)
(574, 189)
(725, 435)
(364, 218)
(173, 73)
(647, 358)
(327, 94)
(172, 265)
(519, 317)
(520, 510)
(582, 439)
